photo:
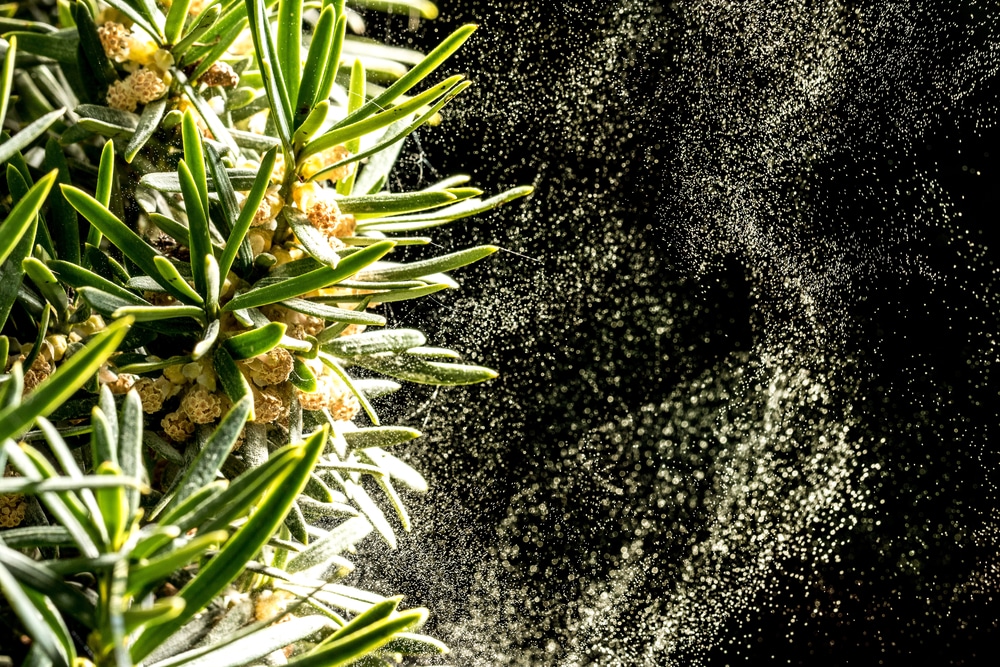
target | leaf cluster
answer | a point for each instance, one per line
(198, 224)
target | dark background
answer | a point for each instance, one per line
(723, 195)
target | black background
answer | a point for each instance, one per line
(625, 291)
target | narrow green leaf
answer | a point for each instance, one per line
(106, 402)
(427, 267)
(69, 377)
(105, 185)
(194, 156)
(61, 217)
(382, 436)
(376, 387)
(302, 376)
(219, 572)
(174, 27)
(233, 382)
(288, 48)
(64, 456)
(342, 132)
(355, 645)
(271, 70)
(64, 506)
(363, 501)
(408, 643)
(417, 370)
(223, 188)
(390, 204)
(389, 296)
(179, 232)
(48, 286)
(198, 226)
(375, 342)
(237, 237)
(431, 62)
(242, 494)
(103, 443)
(60, 46)
(157, 313)
(434, 353)
(355, 100)
(7, 76)
(241, 179)
(320, 552)
(149, 122)
(395, 500)
(31, 537)
(23, 215)
(200, 497)
(398, 131)
(66, 484)
(315, 65)
(208, 461)
(469, 207)
(217, 41)
(130, 243)
(311, 124)
(294, 287)
(212, 120)
(130, 445)
(43, 330)
(204, 346)
(334, 314)
(169, 273)
(257, 341)
(333, 61)
(248, 649)
(157, 444)
(158, 569)
(376, 171)
(11, 269)
(102, 298)
(114, 505)
(206, 21)
(91, 48)
(161, 611)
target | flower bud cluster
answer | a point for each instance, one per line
(12, 505)
(147, 64)
(140, 87)
(201, 401)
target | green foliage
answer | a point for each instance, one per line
(188, 411)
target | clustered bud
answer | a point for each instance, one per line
(220, 74)
(116, 40)
(154, 393)
(140, 87)
(201, 405)
(271, 367)
(53, 349)
(268, 406)
(177, 426)
(12, 505)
